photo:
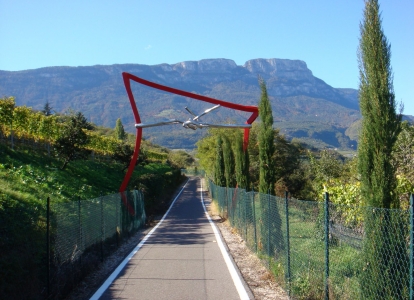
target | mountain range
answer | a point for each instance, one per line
(304, 106)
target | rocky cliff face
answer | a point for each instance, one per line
(206, 66)
(98, 91)
(283, 68)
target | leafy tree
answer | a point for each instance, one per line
(72, 140)
(384, 248)
(266, 143)
(229, 163)
(323, 169)
(219, 177)
(286, 160)
(120, 133)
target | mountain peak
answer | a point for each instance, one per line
(287, 68)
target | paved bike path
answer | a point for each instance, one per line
(182, 258)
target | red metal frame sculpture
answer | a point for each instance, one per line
(127, 77)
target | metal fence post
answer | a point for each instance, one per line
(411, 246)
(287, 241)
(48, 246)
(326, 206)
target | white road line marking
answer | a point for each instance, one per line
(234, 275)
(118, 270)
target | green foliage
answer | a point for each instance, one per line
(229, 164)
(7, 106)
(28, 177)
(266, 144)
(323, 170)
(403, 161)
(206, 153)
(120, 133)
(70, 144)
(286, 160)
(219, 175)
(180, 159)
(380, 128)
(241, 163)
(380, 122)
(123, 154)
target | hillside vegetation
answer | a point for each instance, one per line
(32, 168)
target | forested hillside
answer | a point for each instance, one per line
(303, 106)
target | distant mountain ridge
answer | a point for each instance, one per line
(300, 101)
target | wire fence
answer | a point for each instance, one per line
(82, 233)
(316, 251)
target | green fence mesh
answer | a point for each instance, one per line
(320, 250)
(84, 232)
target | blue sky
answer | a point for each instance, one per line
(323, 33)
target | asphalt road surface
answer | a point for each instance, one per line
(183, 257)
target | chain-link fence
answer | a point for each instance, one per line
(82, 233)
(316, 251)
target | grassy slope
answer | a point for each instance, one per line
(31, 177)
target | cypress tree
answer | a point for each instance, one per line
(120, 133)
(229, 164)
(266, 144)
(385, 274)
(380, 122)
(219, 177)
(271, 237)
(242, 163)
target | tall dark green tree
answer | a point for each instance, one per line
(271, 238)
(384, 275)
(241, 163)
(229, 163)
(266, 143)
(380, 122)
(47, 109)
(219, 177)
(120, 133)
